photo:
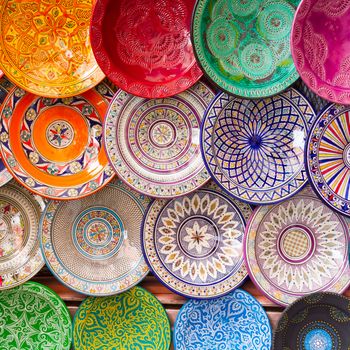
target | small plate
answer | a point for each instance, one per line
(296, 248)
(144, 46)
(328, 157)
(93, 245)
(45, 47)
(234, 321)
(153, 145)
(320, 28)
(20, 255)
(34, 317)
(254, 149)
(54, 147)
(319, 321)
(194, 243)
(131, 320)
(243, 46)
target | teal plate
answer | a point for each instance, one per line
(243, 46)
(32, 316)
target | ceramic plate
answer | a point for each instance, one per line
(243, 46)
(34, 317)
(131, 320)
(93, 245)
(194, 243)
(234, 321)
(328, 157)
(320, 28)
(144, 46)
(296, 248)
(154, 144)
(320, 321)
(254, 149)
(20, 255)
(54, 147)
(45, 48)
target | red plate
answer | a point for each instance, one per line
(144, 46)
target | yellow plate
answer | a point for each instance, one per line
(45, 46)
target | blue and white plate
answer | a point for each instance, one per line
(254, 149)
(235, 321)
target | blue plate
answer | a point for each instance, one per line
(235, 321)
(254, 149)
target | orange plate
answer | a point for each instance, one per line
(54, 147)
(45, 46)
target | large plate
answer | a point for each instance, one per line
(144, 46)
(320, 321)
(131, 320)
(254, 149)
(45, 47)
(328, 157)
(320, 28)
(93, 245)
(194, 243)
(153, 145)
(243, 46)
(54, 147)
(234, 321)
(34, 317)
(20, 255)
(296, 248)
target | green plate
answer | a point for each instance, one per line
(243, 46)
(129, 321)
(33, 317)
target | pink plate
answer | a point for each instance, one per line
(144, 46)
(320, 44)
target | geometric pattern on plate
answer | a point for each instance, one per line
(36, 318)
(153, 145)
(60, 154)
(194, 243)
(328, 157)
(93, 245)
(254, 149)
(243, 46)
(296, 248)
(20, 255)
(45, 46)
(115, 322)
(234, 321)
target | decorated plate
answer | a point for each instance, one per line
(45, 47)
(243, 46)
(320, 28)
(194, 243)
(149, 52)
(328, 157)
(254, 149)
(153, 145)
(320, 321)
(93, 245)
(234, 321)
(20, 255)
(54, 147)
(34, 317)
(131, 320)
(297, 248)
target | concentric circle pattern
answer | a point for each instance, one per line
(243, 46)
(296, 248)
(54, 147)
(194, 243)
(254, 149)
(328, 157)
(153, 145)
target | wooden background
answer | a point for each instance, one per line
(171, 301)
